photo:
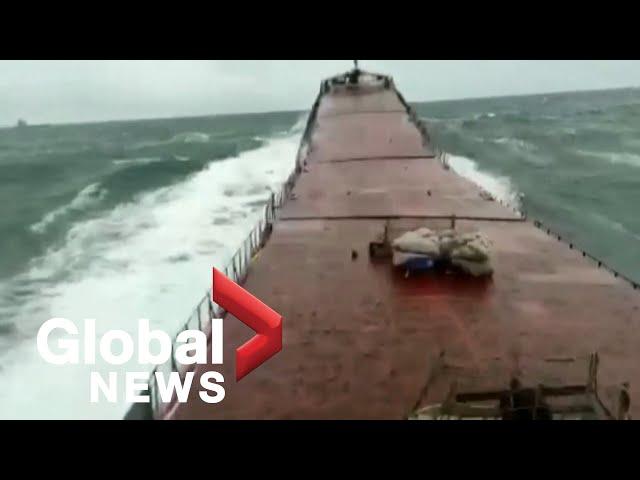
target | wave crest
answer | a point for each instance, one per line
(500, 187)
(88, 197)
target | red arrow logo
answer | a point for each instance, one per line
(256, 315)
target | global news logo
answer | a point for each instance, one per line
(194, 347)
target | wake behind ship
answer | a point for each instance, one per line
(542, 331)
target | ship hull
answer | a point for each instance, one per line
(362, 341)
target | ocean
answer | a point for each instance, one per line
(114, 221)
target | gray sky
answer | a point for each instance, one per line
(78, 91)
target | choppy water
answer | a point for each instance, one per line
(575, 159)
(114, 221)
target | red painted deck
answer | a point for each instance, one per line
(361, 341)
(387, 187)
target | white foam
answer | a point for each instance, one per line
(191, 137)
(139, 161)
(88, 196)
(621, 158)
(151, 258)
(301, 123)
(516, 142)
(498, 186)
(480, 116)
(625, 158)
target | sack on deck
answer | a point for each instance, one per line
(422, 240)
(477, 269)
(421, 248)
(474, 247)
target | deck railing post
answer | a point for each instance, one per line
(174, 367)
(273, 206)
(236, 270)
(152, 391)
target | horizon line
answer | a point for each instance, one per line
(267, 112)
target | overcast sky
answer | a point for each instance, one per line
(78, 91)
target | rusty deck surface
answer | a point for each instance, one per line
(360, 340)
(390, 187)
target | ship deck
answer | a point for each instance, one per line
(362, 341)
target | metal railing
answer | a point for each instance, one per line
(236, 269)
(238, 266)
(572, 246)
(442, 157)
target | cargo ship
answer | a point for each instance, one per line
(375, 330)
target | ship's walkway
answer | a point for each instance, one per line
(362, 341)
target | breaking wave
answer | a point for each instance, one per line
(498, 186)
(623, 158)
(190, 137)
(515, 142)
(146, 258)
(87, 197)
